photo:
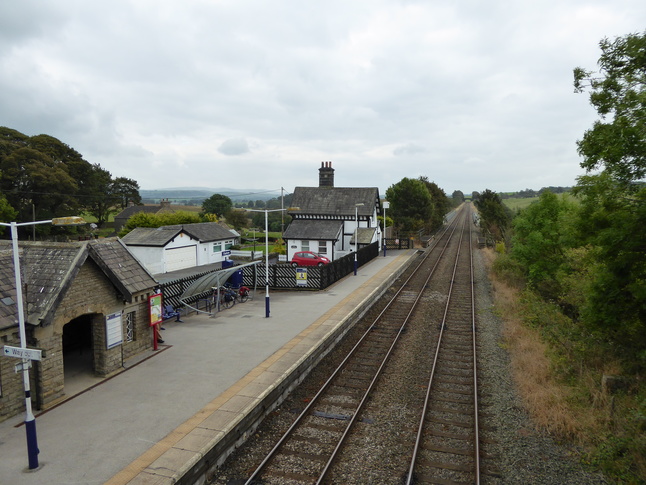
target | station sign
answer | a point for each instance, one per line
(20, 353)
(24, 365)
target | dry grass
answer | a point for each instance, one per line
(547, 400)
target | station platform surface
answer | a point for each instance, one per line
(147, 422)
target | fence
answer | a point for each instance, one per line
(398, 243)
(281, 276)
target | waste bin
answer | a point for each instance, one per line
(227, 263)
(235, 279)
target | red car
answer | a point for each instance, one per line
(308, 258)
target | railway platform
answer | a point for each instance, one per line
(168, 415)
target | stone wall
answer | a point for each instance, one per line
(12, 393)
(90, 293)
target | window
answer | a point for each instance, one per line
(217, 247)
(305, 245)
(322, 247)
(130, 327)
(228, 244)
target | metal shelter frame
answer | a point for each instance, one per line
(212, 281)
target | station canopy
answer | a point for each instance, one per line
(212, 280)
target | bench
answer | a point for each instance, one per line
(170, 312)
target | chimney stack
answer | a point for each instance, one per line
(326, 175)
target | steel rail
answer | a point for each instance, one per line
(416, 448)
(274, 451)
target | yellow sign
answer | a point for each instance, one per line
(301, 277)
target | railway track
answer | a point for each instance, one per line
(447, 445)
(314, 446)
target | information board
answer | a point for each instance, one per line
(155, 306)
(113, 330)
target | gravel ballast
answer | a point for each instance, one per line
(517, 452)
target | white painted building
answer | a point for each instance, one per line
(325, 219)
(170, 248)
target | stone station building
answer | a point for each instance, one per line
(86, 304)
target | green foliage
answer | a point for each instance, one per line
(217, 204)
(618, 92)
(145, 219)
(495, 217)
(239, 219)
(540, 239)
(41, 174)
(441, 205)
(275, 220)
(411, 204)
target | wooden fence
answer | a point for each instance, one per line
(281, 276)
(398, 243)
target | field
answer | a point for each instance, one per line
(516, 204)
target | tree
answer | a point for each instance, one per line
(457, 197)
(146, 219)
(32, 181)
(41, 174)
(239, 219)
(441, 204)
(217, 204)
(541, 239)
(617, 143)
(125, 191)
(7, 213)
(411, 204)
(494, 215)
(97, 197)
(613, 203)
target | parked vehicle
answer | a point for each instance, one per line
(308, 258)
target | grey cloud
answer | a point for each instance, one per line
(234, 146)
(408, 149)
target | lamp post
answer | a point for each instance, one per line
(356, 235)
(266, 211)
(386, 205)
(30, 420)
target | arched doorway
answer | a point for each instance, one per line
(78, 353)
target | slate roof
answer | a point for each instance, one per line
(160, 236)
(130, 211)
(205, 231)
(150, 236)
(8, 299)
(364, 235)
(313, 229)
(337, 201)
(120, 266)
(50, 268)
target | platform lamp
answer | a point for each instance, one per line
(385, 205)
(267, 211)
(30, 420)
(356, 235)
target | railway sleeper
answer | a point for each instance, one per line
(449, 449)
(436, 408)
(453, 390)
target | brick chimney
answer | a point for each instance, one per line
(164, 203)
(326, 175)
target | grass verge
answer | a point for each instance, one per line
(558, 374)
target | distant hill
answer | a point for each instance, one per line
(196, 195)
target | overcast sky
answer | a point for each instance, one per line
(253, 94)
